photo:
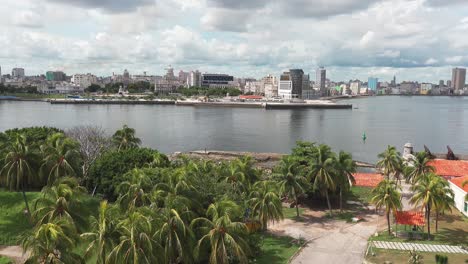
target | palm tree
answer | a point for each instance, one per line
(265, 203)
(235, 177)
(61, 155)
(246, 166)
(52, 243)
(137, 243)
(345, 168)
(419, 167)
(390, 162)
(291, 180)
(322, 172)
(60, 201)
(104, 235)
(18, 167)
(431, 192)
(175, 237)
(387, 195)
(125, 138)
(136, 190)
(224, 236)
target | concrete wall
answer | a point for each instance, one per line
(459, 198)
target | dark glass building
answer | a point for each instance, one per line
(216, 80)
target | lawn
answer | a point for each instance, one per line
(5, 260)
(13, 221)
(361, 194)
(453, 230)
(396, 256)
(290, 213)
(277, 250)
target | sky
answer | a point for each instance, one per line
(354, 39)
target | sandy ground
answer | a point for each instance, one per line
(13, 252)
(330, 241)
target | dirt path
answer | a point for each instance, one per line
(330, 241)
(13, 252)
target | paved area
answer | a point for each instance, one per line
(13, 252)
(329, 241)
(419, 247)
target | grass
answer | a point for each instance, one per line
(277, 249)
(13, 221)
(397, 256)
(290, 213)
(5, 260)
(453, 230)
(361, 194)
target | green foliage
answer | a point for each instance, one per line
(107, 172)
(415, 257)
(125, 138)
(441, 259)
(93, 88)
(211, 92)
(387, 196)
(35, 136)
(5, 260)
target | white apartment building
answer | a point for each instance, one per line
(17, 73)
(83, 80)
(355, 87)
(194, 79)
(255, 87)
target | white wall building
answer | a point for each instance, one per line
(194, 79)
(285, 86)
(255, 87)
(355, 87)
(59, 88)
(17, 73)
(460, 193)
(84, 80)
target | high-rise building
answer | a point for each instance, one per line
(17, 73)
(56, 76)
(270, 85)
(394, 81)
(83, 80)
(449, 83)
(194, 79)
(183, 76)
(297, 76)
(372, 83)
(441, 83)
(320, 79)
(458, 78)
(355, 87)
(285, 86)
(217, 80)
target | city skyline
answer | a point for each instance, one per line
(353, 39)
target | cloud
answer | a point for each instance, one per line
(225, 20)
(445, 2)
(238, 4)
(29, 19)
(113, 6)
(322, 8)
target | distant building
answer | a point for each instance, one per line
(441, 83)
(84, 80)
(408, 87)
(285, 86)
(17, 73)
(168, 84)
(458, 78)
(425, 88)
(194, 79)
(297, 76)
(217, 80)
(270, 86)
(307, 90)
(355, 87)
(56, 76)
(320, 80)
(449, 83)
(393, 83)
(49, 87)
(373, 84)
(183, 76)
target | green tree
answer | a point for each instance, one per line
(225, 237)
(61, 157)
(431, 192)
(420, 166)
(386, 195)
(265, 203)
(291, 181)
(136, 190)
(345, 167)
(103, 236)
(52, 243)
(322, 172)
(390, 162)
(17, 167)
(125, 138)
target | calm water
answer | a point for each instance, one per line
(434, 121)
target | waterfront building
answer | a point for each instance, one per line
(449, 83)
(183, 76)
(308, 91)
(408, 87)
(194, 79)
(285, 86)
(425, 88)
(254, 87)
(458, 79)
(297, 76)
(394, 84)
(373, 84)
(17, 73)
(210, 80)
(270, 86)
(84, 80)
(355, 87)
(320, 80)
(168, 84)
(56, 76)
(441, 83)
(52, 87)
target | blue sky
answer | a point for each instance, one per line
(413, 39)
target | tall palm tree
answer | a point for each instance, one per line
(225, 237)
(420, 166)
(18, 169)
(136, 190)
(390, 162)
(103, 235)
(52, 243)
(60, 201)
(265, 203)
(61, 156)
(175, 237)
(246, 166)
(386, 195)
(235, 177)
(125, 138)
(291, 180)
(323, 172)
(137, 242)
(431, 192)
(345, 167)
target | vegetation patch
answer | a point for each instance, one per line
(397, 256)
(277, 249)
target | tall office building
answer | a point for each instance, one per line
(458, 78)
(441, 83)
(320, 79)
(285, 86)
(372, 83)
(194, 79)
(17, 73)
(56, 76)
(297, 76)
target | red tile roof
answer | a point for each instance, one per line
(459, 182)
(409, 218)
(453, 168)
(250, 97)
(367, 179)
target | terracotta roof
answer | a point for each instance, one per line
(410, 218)
(250, 97)
(367, 179)
(459, 181)
(453, 168)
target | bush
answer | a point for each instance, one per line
(441, 259)
(108, 170)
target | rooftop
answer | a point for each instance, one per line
(452, 168)
(367, 179)
(409, 218)
(459, 182)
